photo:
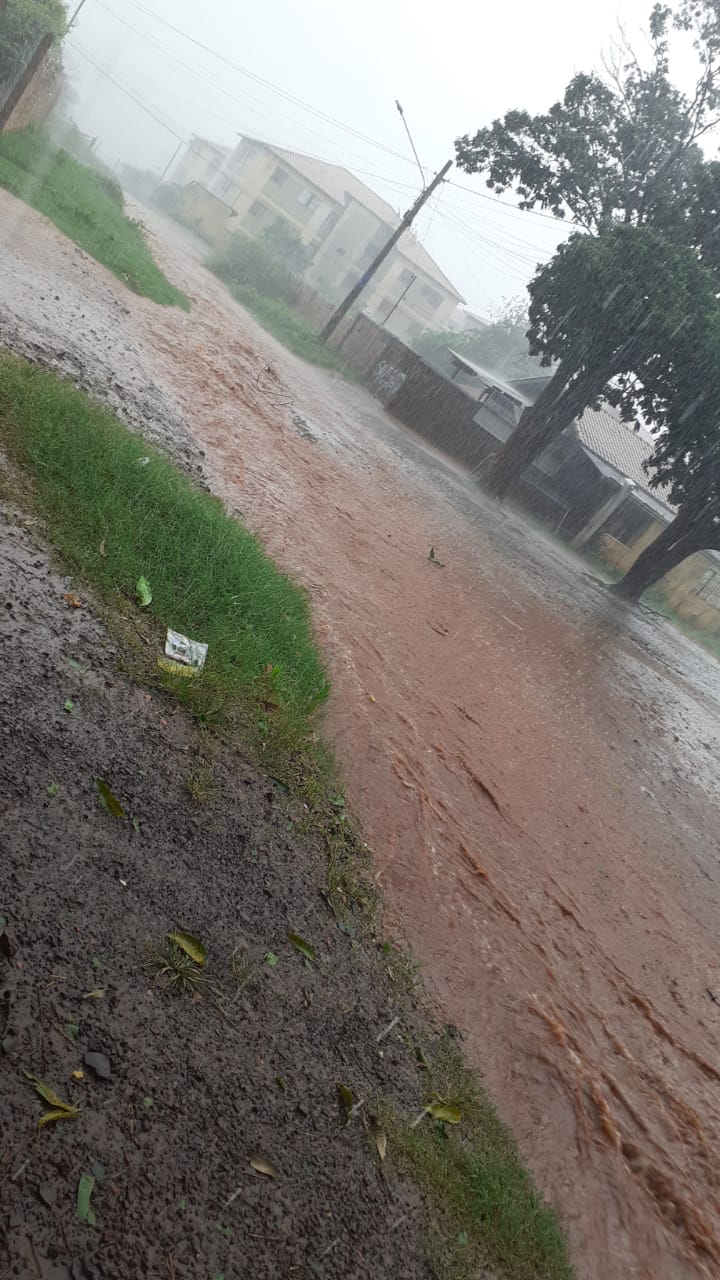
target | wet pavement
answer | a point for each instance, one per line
(533, 765)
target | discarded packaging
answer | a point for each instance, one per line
(192, 652)
(175, 668)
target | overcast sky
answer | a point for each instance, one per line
(452, 67)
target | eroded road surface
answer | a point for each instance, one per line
(534, 769)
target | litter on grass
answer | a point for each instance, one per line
(181, 649)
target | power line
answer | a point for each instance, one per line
(267, 84)
(329, 119)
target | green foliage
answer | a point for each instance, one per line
(619, 148)
(113, 520)
(285, 324)
(23, 23)
(87, 206)
(249, 264)
(501, 347)
(622, 313)
(286, 245)
(619, 312)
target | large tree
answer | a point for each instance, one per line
(622, 147)
(617, 151)
(686, 458)
(615, 313)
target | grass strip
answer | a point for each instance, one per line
(87, 206)
(482, 1206)
(116, 510)
(287, 325)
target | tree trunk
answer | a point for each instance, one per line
(539, 425)
(679, 540)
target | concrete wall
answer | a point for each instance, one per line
(699, 573)
(37, 98)
(206, 214)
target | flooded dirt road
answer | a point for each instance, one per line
(534, 770)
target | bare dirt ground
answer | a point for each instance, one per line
(534, 770)
(177, 1095)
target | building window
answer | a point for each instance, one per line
(309, 200)
(406, 276)
(432, 296)
(709, 590)
(278, 176)
(258, 209)
(328, 223)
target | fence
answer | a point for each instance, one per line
(29, 99)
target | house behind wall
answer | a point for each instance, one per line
(568, 484)
(342, 223)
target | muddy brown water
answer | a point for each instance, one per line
(534, 772)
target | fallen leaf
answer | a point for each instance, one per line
(345, 1096)
(85, 1189)
(271, 959)
(78, 1075)
(68, 705)
(302, 946)
(59, 1110)
(53, 789)
(47, 1093)
(50, 1117)
(381, 1144)
(143, 592)
(111, 802)
(95, 995)
(102, 550)
(76, 666)
(192, 947)
(72, 600)
(136, 824)
(261, 1165)
(441, 1111)
(148, 1102)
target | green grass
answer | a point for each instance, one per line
(288, 326)
(482, 1208)
(114, 519)
(83, 203)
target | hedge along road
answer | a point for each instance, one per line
(528, 767)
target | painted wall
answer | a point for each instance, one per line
(699, 573)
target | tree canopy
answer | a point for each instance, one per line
(500, 346)
(22, 25)
(622, 147)
(617, 314)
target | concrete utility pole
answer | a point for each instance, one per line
(406, 221)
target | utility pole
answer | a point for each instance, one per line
(365, 278)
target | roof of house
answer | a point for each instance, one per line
(340, 184)
(602, 433)
(491, 379)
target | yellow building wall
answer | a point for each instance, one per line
(680, 585)
(206, 214)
